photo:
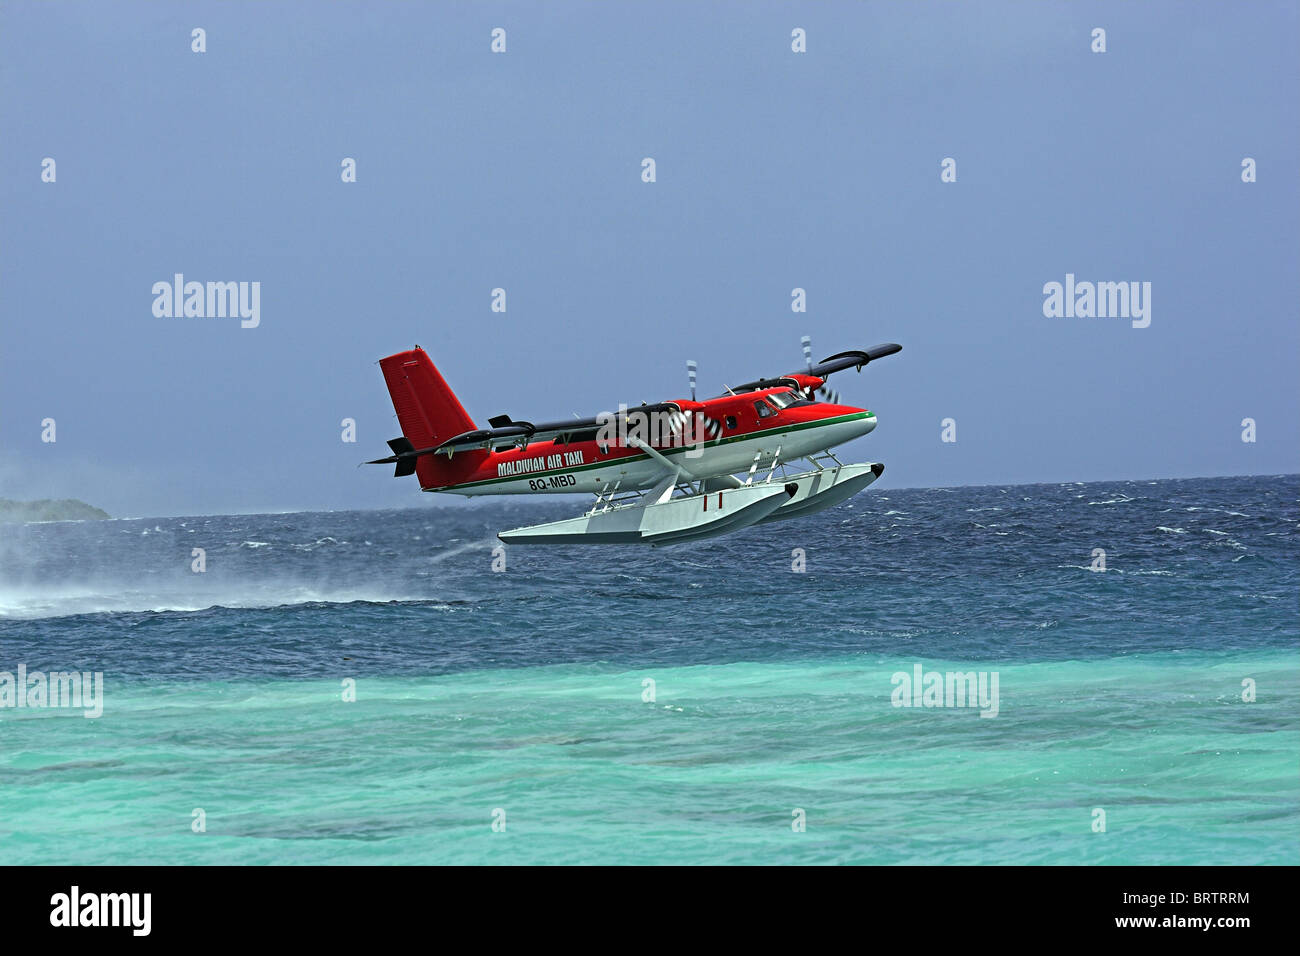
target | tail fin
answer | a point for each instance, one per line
(427, 409)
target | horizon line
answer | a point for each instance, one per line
(568, 497)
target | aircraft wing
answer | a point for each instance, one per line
(505, 432)
(855, 358)
(852, 359)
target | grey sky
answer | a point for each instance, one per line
(522, 170)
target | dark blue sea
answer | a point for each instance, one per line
(365, 687)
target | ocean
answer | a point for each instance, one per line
(365, 687)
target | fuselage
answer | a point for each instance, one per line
(764, 423)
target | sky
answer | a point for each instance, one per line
(775, 170)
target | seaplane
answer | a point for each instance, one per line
(662, 474)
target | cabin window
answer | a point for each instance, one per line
(731, 421)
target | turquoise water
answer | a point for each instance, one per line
(712, 771)
(523, 692)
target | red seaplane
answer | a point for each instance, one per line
(667, 473)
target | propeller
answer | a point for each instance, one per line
(827, 393)
(690, 373)
(854, 359)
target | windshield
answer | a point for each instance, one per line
(783, 399)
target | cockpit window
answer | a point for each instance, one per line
(764, 410)
(783, 399)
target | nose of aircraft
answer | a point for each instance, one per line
(848, 422)
(852, 427)
(864, 425)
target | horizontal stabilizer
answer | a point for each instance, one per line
(404, 455)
